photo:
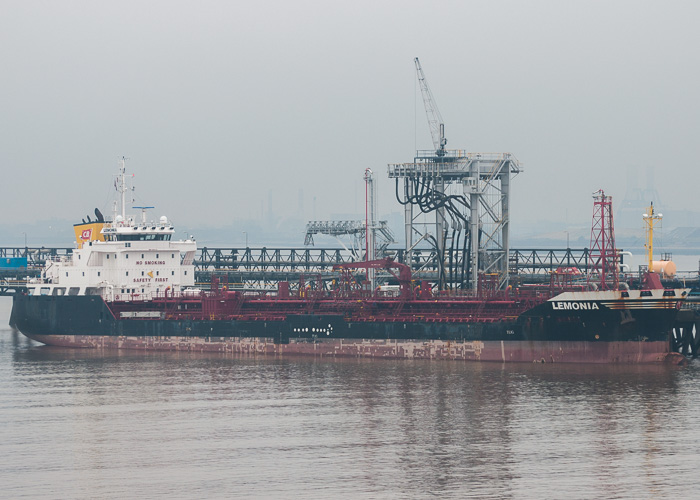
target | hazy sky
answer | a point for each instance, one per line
(221, 106)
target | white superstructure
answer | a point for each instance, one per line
(136, 260)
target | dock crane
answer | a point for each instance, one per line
(437, 126)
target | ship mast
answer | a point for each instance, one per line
(370, 223)
(120, 185)
(123, 187)
(651, 220)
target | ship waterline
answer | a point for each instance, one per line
(493, 351)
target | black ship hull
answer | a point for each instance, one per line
(544, 333)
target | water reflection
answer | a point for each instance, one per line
(115, 424)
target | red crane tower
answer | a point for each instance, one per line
(603, 254)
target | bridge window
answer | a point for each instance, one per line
(143, 237)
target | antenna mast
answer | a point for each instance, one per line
(120, 185)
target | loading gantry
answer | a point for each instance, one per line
(469, 194)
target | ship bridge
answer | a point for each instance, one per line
(156, 232)
(128, 230)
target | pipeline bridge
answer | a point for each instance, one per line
(262, 267)
(265, 266)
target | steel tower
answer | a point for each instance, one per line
(469, 193)
(603, 254)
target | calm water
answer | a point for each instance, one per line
(92, 424)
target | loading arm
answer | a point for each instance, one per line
(403, 276)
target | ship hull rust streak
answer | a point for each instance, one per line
(495, 351)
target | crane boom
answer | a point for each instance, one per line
(437, 126)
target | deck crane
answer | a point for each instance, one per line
(437, 126)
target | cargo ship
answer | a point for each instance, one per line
(130, 285)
